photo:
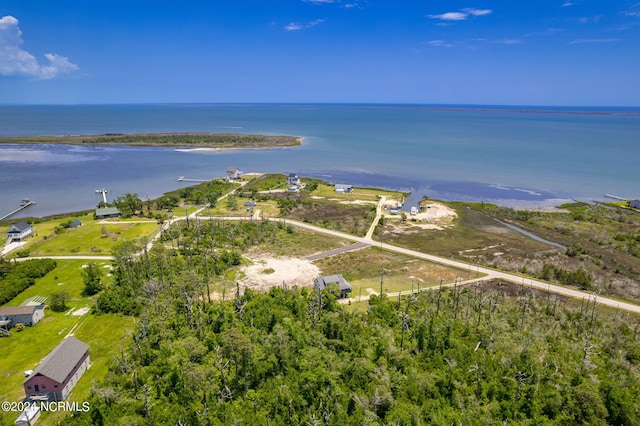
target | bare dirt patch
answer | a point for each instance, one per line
(287, 270)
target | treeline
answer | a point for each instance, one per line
(17, 277)
(297, 357)
(216, 140)
(502, 354)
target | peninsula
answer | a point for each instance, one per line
(190, 139)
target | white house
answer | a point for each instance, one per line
(293, 179)
(233, 173)
(19, 232)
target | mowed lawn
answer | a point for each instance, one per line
(92, 238)
(23, 350)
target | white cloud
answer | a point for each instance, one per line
(294, 26)
(461, 16)
(594, 40)
(450, 16)
(478, 12)
(14, 61)
(508, 41)
(439, 43)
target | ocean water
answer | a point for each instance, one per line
(515, 156)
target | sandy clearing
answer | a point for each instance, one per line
(268, 272)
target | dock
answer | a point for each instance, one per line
(615, 197)
(184, 179)
(23, 205)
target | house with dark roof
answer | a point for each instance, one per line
(293, 179)
(19, 232)
(59, 372)
(322, 283)
(75, 223)
(27, 315)
(341, 188)
(233, 173)
(634, 204)
(107, 212)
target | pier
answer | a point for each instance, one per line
(615, 197)
(23, 205)
(184, 179)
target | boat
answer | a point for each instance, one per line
(25, 202)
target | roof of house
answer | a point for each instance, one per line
(341, 185)
(293, 175)
(107, 211)
(75, 222)
(250, 203)
(19, 227)
(232, 169)
(17, 310)
(328, 279)
(61, 360)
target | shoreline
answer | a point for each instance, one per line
(184, 140)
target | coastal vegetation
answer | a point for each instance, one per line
(193, 140)
(596, 247)
(178, 338)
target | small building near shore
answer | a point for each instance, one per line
(59, 372)
(27, 315)
(321, 283)
(233, 173)
(107, 212)
(634, 204)
(19, 232)
(342, 189)
(293, 179)
(75, 223)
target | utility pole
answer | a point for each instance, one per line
(381, 280)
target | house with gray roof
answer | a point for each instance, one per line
(342, 188)
(19, 232)
(322, 283)
(27, 315)
(106, 212)
(233, 173)
(59, 372)
(634, 204)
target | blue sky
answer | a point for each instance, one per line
(547, 52)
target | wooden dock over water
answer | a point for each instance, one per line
(22, 207)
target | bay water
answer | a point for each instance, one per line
(521, 157)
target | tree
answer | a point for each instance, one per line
(58, 301)
(92, 278)
(129, 204)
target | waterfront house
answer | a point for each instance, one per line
(321, 283)
(233, 173)
(107, 212)
(341, 189)
(27, 315)
(634, 204)
(19, 232)
(59, 372)
(249, 203)
(75, 223)
(293, 179)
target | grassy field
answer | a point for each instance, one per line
(474, 236)
(364, 194)
(92, 238)
(362, 268)
(25, 349)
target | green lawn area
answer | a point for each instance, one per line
(365, 194)
(92, 238)
(25, 349)
(268, 208)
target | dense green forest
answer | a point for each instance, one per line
(492, 354)
(17, 277)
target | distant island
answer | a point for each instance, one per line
(197, 140)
